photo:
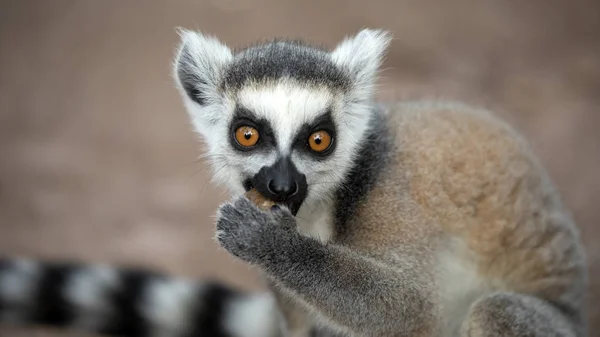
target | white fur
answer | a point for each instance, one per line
(169, 304)
(18, 288)
(315, 221)
(362, 55)
(204, 57)
(254, 316)
(287, 106)
(459, 285)
(87, 290)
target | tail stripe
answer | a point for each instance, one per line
(127, 302)
(210, 316)
(89, 292)
(53, 307)
(126, 319)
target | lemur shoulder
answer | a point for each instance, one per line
(393, 219)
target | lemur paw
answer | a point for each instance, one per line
(250, 233)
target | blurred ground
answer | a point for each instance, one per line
(97, 158)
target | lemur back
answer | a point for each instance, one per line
(392, 219)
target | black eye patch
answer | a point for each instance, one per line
(322, 123)
(245, 117)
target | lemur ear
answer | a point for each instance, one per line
(362, 54)
(199, 65)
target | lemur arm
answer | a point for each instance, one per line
(349, 289)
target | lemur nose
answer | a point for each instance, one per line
(283, 183)
(283, 188)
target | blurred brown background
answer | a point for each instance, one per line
(97, 156)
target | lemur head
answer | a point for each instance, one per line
(284, 117)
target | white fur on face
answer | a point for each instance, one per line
(288, 106)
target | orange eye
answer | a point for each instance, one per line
(246, 136)
(319, 141)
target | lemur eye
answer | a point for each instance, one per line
(319, 141)
(246, 136)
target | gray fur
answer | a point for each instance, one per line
(284, 58)
(509, 314)
(368, 164)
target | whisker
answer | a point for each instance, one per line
(196, 172)
(175, 171)
(191, 163)
(203, 189)
(323, 182)
(323, 172)
(204, 167)
(212, 158)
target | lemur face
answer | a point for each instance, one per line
(285, 140)
(282, 117)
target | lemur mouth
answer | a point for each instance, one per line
(292, 202)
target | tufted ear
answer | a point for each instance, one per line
(199, 65)
(361, 55)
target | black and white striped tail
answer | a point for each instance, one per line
(128, 303)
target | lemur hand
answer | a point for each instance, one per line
(250, 233)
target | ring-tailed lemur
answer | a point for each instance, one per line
(408, 219)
